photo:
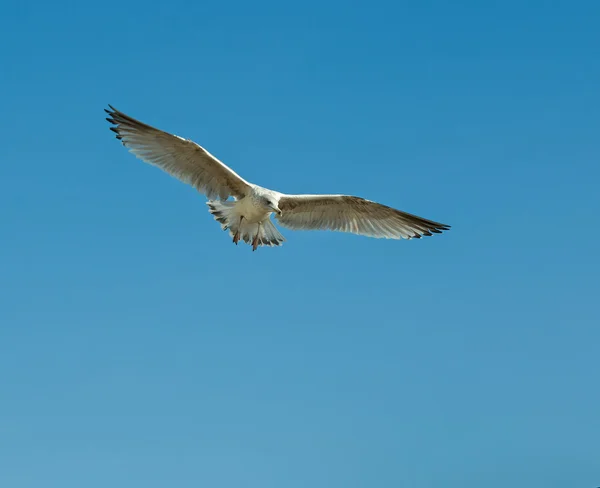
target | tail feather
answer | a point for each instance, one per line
(225, 213)
(269, 235)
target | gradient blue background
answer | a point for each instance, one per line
(139, 347)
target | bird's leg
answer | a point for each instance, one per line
(236, 236)
(255, 240)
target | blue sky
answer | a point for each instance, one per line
(139, 347)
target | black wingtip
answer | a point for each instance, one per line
(116, 131)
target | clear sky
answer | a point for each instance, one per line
(140, 348)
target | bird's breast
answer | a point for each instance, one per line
(252, 209)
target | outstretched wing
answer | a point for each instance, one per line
(180, 157)
(353, 214)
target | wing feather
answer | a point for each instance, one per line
(182, 158)
(356, 215)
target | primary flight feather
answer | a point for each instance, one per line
(248, 215)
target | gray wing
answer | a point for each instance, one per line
(353, 214)
(179, 157)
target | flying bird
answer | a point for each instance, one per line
(248, 215)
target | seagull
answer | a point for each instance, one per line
(248, 215)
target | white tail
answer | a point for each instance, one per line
(269, 235)
(225, 213)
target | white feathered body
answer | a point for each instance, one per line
(249, 216)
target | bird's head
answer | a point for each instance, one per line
(272, 204)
